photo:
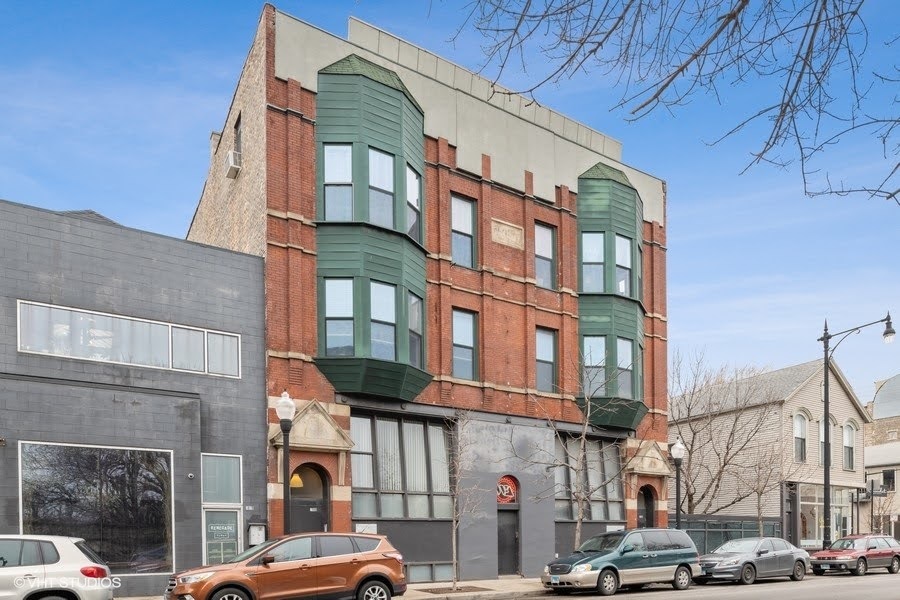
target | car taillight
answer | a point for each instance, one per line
(395, 555)
(94, 572)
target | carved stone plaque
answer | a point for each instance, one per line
(507, 234)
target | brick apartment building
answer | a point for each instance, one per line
(430, 248)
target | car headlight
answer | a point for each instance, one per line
(730, 562)
(194, 578)
(581, 568)
(546, 569)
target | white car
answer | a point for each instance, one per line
(53, 567)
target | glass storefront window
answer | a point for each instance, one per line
(221, 479)
(118, 499)
(812, 519)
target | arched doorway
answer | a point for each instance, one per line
(646, 513)
(309, 499)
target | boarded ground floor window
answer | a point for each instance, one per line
(118, 499)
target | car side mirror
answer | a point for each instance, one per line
(761, 552)
(268, 559)
(627, 548)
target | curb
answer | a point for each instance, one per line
(482, 595)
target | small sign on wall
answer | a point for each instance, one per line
(507, 234)
(507, 490)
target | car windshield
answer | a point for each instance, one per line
(849, 543)
(601, 543)
(747, 545)
(251, 551)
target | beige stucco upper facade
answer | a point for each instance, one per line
(459, 105)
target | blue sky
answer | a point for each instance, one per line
(109, 106)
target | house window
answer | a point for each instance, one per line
(339, 317)
(545, 355)
(544, 256)
(625, 362)
(821, 441)
(400, 469)
(849, 443)
(338, 182)
(413, 205)
(592, 263)
(118, 499)
(463, 344)
(887, 480)
(599, 480)
(416, 327)
(88, 335)
(463, 232)
(381, 189)
(594, 370)
(623, 265)
(799, 438)
(384, 321)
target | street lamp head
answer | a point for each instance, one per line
(888, 330)
(678, 450)
(285, 407)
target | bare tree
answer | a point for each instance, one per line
(581, 467)
(660, 53)
(760, 470)
(722, 416)
(880, 516)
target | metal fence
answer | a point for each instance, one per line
(710, 532)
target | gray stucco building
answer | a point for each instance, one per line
(132, 392)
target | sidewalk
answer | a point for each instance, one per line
(488, 589)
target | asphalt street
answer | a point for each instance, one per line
(878, 585)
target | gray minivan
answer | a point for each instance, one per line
(608, 561)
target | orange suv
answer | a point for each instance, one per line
(354, 566)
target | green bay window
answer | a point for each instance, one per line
(338, 179)
(339, 317)
(623, 265)
(416, 328)
(594, 366)
(625, 358)
(381, 189)
(384, 321)
(592, 263)
(413, 205)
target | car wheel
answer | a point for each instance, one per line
(895, 565)
(230, 594)
(799, 571)
(861, 567)
(818, 571)
(682, 580)
(607, 583)
(748, 575)
(373, 590)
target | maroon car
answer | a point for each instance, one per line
(857, 554)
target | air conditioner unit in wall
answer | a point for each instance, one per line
(232, 164)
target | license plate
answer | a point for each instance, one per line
(826, 566)
(554, 579)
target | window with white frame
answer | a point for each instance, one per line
(592, 262)
(544, 256)
(416, 328)
(849, 445)
(381, 188)
(222, 499)
(800, 423)
(400, 469)
(338, 178)
(464, 344)
(463, 232)
(413, 204)
(88, 335)
(821, 441)
(623, 265)
(594, 366)
(545, 359)
(625, 358)
(384, 321)
(339, 317)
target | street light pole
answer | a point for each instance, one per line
(285, 409)
(826, 427)
(677, 451)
